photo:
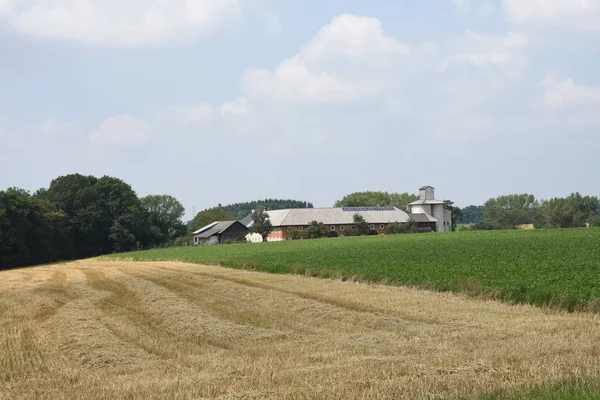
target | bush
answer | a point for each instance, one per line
(485, 226)
(397, 227)
(296, 234)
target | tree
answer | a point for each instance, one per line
(316, 230)
(512, 210)
(241, 210)
(377, 199)
(32, 230)
(571, 212)
(92, 206)
(122, 239)
(455, 212)
(118, 202)
(75, 196)
(203, 218)
(295, 234)
(472, 214)
(398, 227)
(262, 224)
(361, 226)
(165, 212)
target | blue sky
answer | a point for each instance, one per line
(221, 101)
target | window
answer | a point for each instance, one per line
(289, 228)
(372, 226)
(382, 226)
(332, 228)
(342, 227)
(301, 228)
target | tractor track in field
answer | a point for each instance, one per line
(103, 329)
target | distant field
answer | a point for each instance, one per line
(123, 330)
(558, 268)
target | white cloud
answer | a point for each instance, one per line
(292, 81)
(236, 107)
(563, 93)
(4, 5)
(272, 23)
(123, 23)
(183, 115)
(52, 128)
(330, 67)
(121, 129)
(483, 50)
(479, 8)
(576, 15)
(353, 36)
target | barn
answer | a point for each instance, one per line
(220, 232)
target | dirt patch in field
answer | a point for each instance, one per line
(101, 329)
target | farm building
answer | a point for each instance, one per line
(428, 214)
(337, 220)
(220, 232)
(431, 213)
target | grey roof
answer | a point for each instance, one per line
(246, 221)
(431, 201)
(426, 187)
(423, 218)
(213, 229)
(335, 216)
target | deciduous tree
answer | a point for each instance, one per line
(262, 224)
(203, 218)
(377, 199)
(165, 212)
(511, 210)
(361, 226)
(316, 230)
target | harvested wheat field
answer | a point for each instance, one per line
(102, 329)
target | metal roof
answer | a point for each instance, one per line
(206, 227)
(247, 220)
(213, 229)
(431, 201)
(335, 216)
(423, 218)
(426, 187)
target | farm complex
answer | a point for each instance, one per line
(428, 214)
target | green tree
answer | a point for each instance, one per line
(206, 217)
(75, 196)
(472, 214)
(295, 234)
(400, 227)
(118, 202)
(32, 231)
(166, 213)
(512, 210)
(361, 226)
(377, 199)
(122, 239)
(242, 210)
(456, 214)
(261, 224)
(92, 206)
(570, 212)
(316, 230)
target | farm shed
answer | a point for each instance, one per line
(220, 232)
(434, 210)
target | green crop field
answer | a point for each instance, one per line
(557, 268)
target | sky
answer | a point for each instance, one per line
(224, 101)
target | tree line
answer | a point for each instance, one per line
(241, 210)
(513, 210)
(81, 216)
